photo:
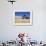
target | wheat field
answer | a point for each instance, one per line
(18, 19)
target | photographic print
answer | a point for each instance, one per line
(23, 18)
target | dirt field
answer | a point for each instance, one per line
(20, 20)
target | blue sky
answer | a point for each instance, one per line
(22, 13)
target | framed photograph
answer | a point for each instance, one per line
(23, 17)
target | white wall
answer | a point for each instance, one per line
(9, 31)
